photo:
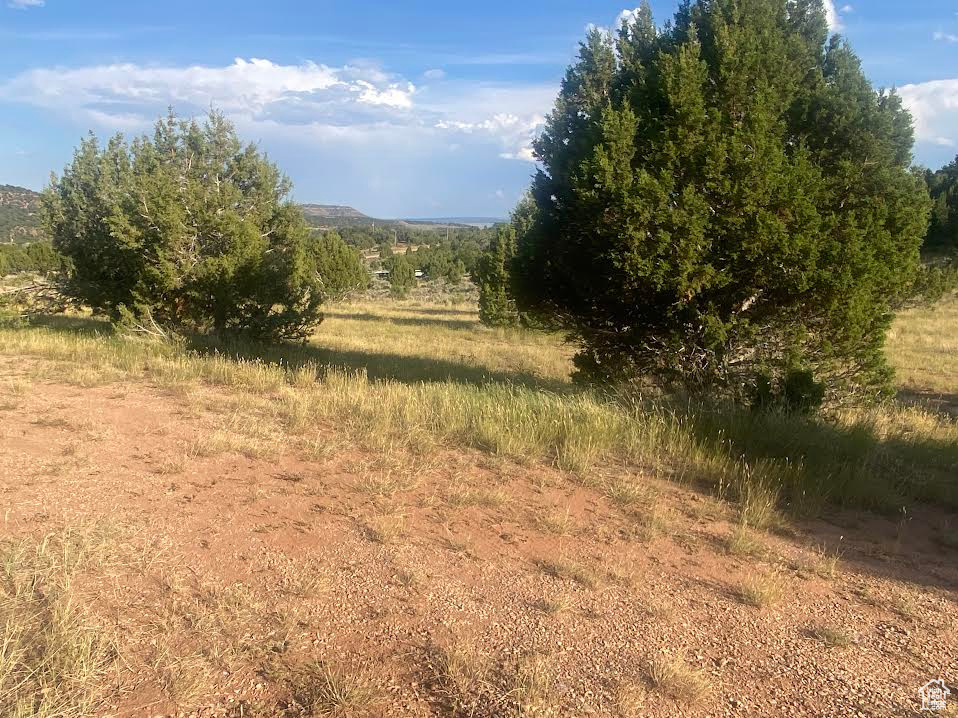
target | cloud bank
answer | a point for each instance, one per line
(349, 102)
(934, 107)
(347, 132)
(834, 15)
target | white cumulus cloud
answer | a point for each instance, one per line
(934, 107)
(353, 103)
(514, 132)
(627, 17)
(250, 85)
(834, 16)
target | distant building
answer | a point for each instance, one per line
(384, 274)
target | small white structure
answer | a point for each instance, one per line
(384, 274)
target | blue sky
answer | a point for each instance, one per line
(414, 108)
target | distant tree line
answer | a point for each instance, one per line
(36, 257)
(461, 249)
(943, 189)
(435, 263)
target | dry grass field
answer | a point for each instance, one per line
(414, 515)
(923, 347)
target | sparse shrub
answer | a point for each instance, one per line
(462, 495)
(566, 570)
(531, 687)
(741, 542)
(386, 530)
(319, 689)
(54, 659)
(628, 492)
(676, 678)
(761, 589)
(560, 523)
(553, 604)
(460, 674)
(831, 636)
(826, 563)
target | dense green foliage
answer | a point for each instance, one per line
(943, 188)
(402, 274)
(724, 204)
(497, 308)
(438, 262)
(39, 257)
(465, 244)
(339, 268)
(191, 230)
(494, 270)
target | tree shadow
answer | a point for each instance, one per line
(850, 465)
(437, 311)
(936, 402)
(919, 546)
(909, 482)
(377, 366)
(74, 324)
(408, 321)
(887, 505)
(431, 311)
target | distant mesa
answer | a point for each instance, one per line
(333, 211)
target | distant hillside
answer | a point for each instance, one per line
(333, 212)
(337, 216)
(19, 214)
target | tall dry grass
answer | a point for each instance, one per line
(923, 347)
(54, 659)
(412, 377)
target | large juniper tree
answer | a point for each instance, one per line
(724, 199)
(191, 230)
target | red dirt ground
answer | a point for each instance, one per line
(235, 573)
